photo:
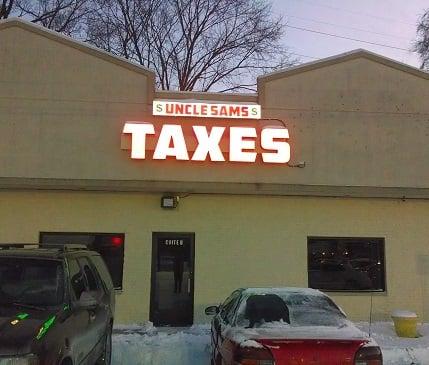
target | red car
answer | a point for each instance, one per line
(286, 326)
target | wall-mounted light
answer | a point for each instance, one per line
(300, 164)
(169, 201)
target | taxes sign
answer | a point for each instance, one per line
(186, 141)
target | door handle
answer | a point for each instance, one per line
(189, 285)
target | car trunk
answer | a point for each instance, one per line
(312, 352)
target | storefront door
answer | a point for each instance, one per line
(172, 290)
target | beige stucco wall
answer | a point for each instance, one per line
(240, 241)
(62, 109)
(357, 122)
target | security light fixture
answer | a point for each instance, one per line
(300, 164)
(169, 201)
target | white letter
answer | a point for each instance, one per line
(171, 134)
(282, 148)
(208, 144)
(237, 144)
(138, 137)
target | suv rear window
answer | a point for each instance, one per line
(31, 281)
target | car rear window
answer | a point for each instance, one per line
(293, 309)
(31, 281)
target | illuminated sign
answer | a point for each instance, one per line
(206, 110)
(243, 143)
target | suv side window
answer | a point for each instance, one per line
(91, 278)
(103, 272)
(76, 278)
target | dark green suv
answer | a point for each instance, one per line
(57, 305)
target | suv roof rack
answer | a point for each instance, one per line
(61, 247)
(64, 247)
(6, 246)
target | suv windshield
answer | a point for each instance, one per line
(38, 282)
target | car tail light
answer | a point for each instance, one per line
(253, 356)
(369, 355)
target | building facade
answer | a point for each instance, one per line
(347, 211)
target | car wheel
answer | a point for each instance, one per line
(106, 357)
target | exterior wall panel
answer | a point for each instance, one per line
(239, 241)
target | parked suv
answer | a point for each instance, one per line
(57, 305)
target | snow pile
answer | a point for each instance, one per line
(397, 350)
(147, 345)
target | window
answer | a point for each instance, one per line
(227, 308)
(346, 264)
(77, 279)
(109, 245)
(90, 276)
(39, 282)
(103, 272)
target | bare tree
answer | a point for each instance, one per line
(65, 16)
(192, 44)
(6, 7)
(422, 44)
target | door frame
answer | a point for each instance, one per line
(155, 237)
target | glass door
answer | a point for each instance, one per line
(172, 287)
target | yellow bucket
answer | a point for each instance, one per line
(405, 324)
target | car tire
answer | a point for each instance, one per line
(106, 357)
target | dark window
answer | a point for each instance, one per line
(77, 279)
(103, 272)
(90, 276)
(37, 282)
(109, 245)
(346, 264)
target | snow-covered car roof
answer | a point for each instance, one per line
(282, 290)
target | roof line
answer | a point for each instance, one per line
(79, 45)
(354, 54)
(206, 95)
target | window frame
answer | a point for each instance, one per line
(74, 233)
(233, 300)
(382, 243)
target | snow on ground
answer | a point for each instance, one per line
(397, 350)
(147, 345)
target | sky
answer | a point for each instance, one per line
(387, 22)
